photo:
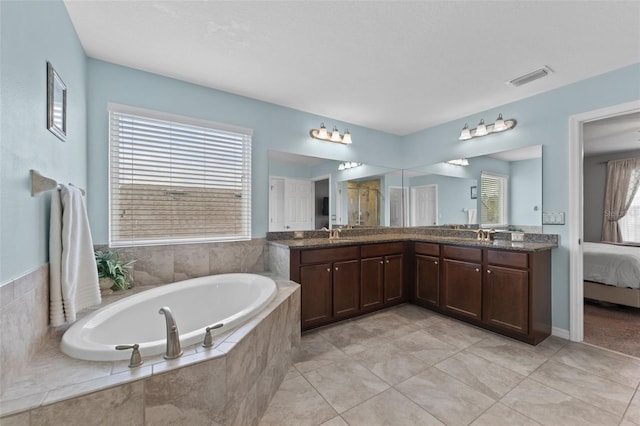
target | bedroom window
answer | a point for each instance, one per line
(630, 223)
(493, 199)
(175, 179)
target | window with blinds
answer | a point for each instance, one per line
(177, 180)
(493, 199)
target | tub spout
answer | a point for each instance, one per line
(173, 337)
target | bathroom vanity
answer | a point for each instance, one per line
(502, 286)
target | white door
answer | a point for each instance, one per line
(298, 205)
(424, 205)
(276, 204)
(398, 202)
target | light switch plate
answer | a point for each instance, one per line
(553, 218)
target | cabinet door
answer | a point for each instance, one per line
(371, 283)
(393, 278)
(346, 288)
(506, 298)
(462, 288)
(315, 294)
(427, 279)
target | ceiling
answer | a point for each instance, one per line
(610, 135)
(394, 66)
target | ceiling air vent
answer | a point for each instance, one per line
(529, 77)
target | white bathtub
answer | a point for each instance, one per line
(196, 304)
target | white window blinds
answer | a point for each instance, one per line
(493, 197)
(177, 180)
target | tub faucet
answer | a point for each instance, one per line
(173, 337)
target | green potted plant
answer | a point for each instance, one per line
(113, 273)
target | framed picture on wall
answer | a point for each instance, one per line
(474, 192)
(56, 104)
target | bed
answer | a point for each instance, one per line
(612, 273)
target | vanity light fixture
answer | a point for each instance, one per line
(333, 136)
(348, 165)
(459, 162)
(484, 129)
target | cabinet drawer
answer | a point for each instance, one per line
(373, 250)
(329, 255)
(508, 258)
(462, 253)
(429, 249)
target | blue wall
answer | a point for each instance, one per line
(274, 127)
(32, 33)
(542, 119)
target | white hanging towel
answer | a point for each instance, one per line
(73, 278)
(473, 216)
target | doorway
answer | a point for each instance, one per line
(576, 210)
(424, 205)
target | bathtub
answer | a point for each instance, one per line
(196, 304)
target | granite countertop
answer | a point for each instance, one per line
(387, 238)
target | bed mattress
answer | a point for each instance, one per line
(612, 264)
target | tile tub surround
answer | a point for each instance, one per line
(231, 383)
(172, 263)
(441, 371)
(24, 319)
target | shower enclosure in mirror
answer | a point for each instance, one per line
(308, 193)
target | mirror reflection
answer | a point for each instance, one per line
(501, 190)
(308, 193)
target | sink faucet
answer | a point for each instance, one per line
(334, 233)
(173, 337)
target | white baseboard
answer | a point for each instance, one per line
(560, 332)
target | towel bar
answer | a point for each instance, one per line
(41, 183)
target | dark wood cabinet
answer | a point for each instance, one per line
(506, 291)
(506, 298)
(427, 274)
(372, 283)
(393, 279)
(383, 281)
(517, 294)
(316, 294)
(462, 288)
(346, 288)
(329, 284)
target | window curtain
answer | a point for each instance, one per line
(623, 179)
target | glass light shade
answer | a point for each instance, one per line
(335, 134)
(341, 166)
(353, 164)
(481, 130)
(465, 134)
(347, 137)
(499, 125)
(322, 133)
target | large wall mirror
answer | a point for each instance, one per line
(500, 190)
(311, 193)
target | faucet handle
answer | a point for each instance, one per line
(208, 339)
(136, 359)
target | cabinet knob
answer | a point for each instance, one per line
(488, 271)
(328, 269)
(336, 268)
(435, 262)
(381, 262)
(387, 261)
(477, 270)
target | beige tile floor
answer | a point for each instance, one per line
(410, 366)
